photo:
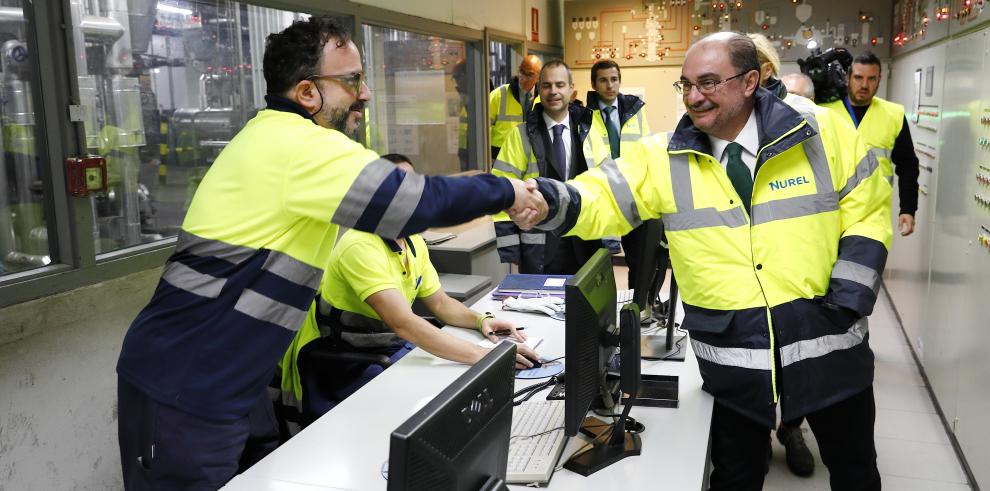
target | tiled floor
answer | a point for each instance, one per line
(913, 451)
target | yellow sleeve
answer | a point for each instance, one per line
(645, 129)
(494, 100)
(324, 167)
(864, 193)
(618, 195)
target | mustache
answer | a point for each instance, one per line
(701, 106)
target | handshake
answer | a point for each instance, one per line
(529, 208)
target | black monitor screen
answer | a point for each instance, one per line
(460, 439)
(590, 298)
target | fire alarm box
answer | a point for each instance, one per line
(86, 175)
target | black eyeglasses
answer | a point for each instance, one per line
(706, 87)
(353, 82)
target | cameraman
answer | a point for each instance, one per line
(884, 128)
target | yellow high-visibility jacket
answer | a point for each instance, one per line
(785, 284)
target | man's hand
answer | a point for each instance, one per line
(496, 329)
(524, 357)
(529, 208)
(905, 223)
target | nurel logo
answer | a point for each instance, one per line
(479, 405)
(784, 183)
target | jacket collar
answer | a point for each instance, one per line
(395, 247)
(777, 88)
(580, 118)
(629, 105)
(774, 120)
(279, 103)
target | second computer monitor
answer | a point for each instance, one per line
(459, 440)
(590, 322)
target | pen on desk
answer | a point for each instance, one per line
(506, 332)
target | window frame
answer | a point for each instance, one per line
(75, 262)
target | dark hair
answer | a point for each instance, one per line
(397, 158)
(554, 64)
(294, 54)
(604, 65)
(867, 58)
(743, 53)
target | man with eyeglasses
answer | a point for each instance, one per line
(509, 104)
(778, 233)
(193, 406)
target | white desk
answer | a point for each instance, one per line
(345, 449)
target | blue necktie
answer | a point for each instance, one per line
(739, 174)
(559, 155)
(613, 133)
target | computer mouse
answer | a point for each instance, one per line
(536, 363)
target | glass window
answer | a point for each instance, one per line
(503, 60)
(24, 237)
(166, 85)
(420, 105)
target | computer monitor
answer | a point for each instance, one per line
(591, 340)
(652, 259)
(589, 298)
(460, 439)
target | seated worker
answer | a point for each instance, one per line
(365, 304)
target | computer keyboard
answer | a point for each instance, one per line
(623, 296)
(537, 441)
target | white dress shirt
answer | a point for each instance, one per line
(748, 138)
(566, 136)
(615, 112)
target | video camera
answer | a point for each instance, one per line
(828, 72)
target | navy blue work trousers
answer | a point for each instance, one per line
(164, 448)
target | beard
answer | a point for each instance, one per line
(335, 118)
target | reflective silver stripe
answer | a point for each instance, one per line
(815, 153)
(507, 241)
(507, 168)
(563, 201)
(362, 189)
(589, 162)
(198, 246)
(621, 192)
(534, 238)
(525, 140)
(754, 359)
(185, 278)
(639, 121)
(270, 310)
(857, 273)
(864, 169)
(629, 137)
(324, 306)
(798, 206)
(880, 152)
(292, 269)
(402, 207)
(511, 119)
(502, 101)
(532, 169)
(704, 217)
(821, 346)
(680, 180)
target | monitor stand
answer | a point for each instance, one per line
(668, 347)
(494, 483)
(607, 447)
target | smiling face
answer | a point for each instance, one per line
(864, 80)
(724, 112)
(555, 91)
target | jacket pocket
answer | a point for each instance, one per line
(700, 319)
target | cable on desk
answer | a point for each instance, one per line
(533, 389)
(537, 434)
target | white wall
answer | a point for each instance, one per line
(58, 413)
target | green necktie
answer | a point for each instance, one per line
(739, 174)
(613, 133)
